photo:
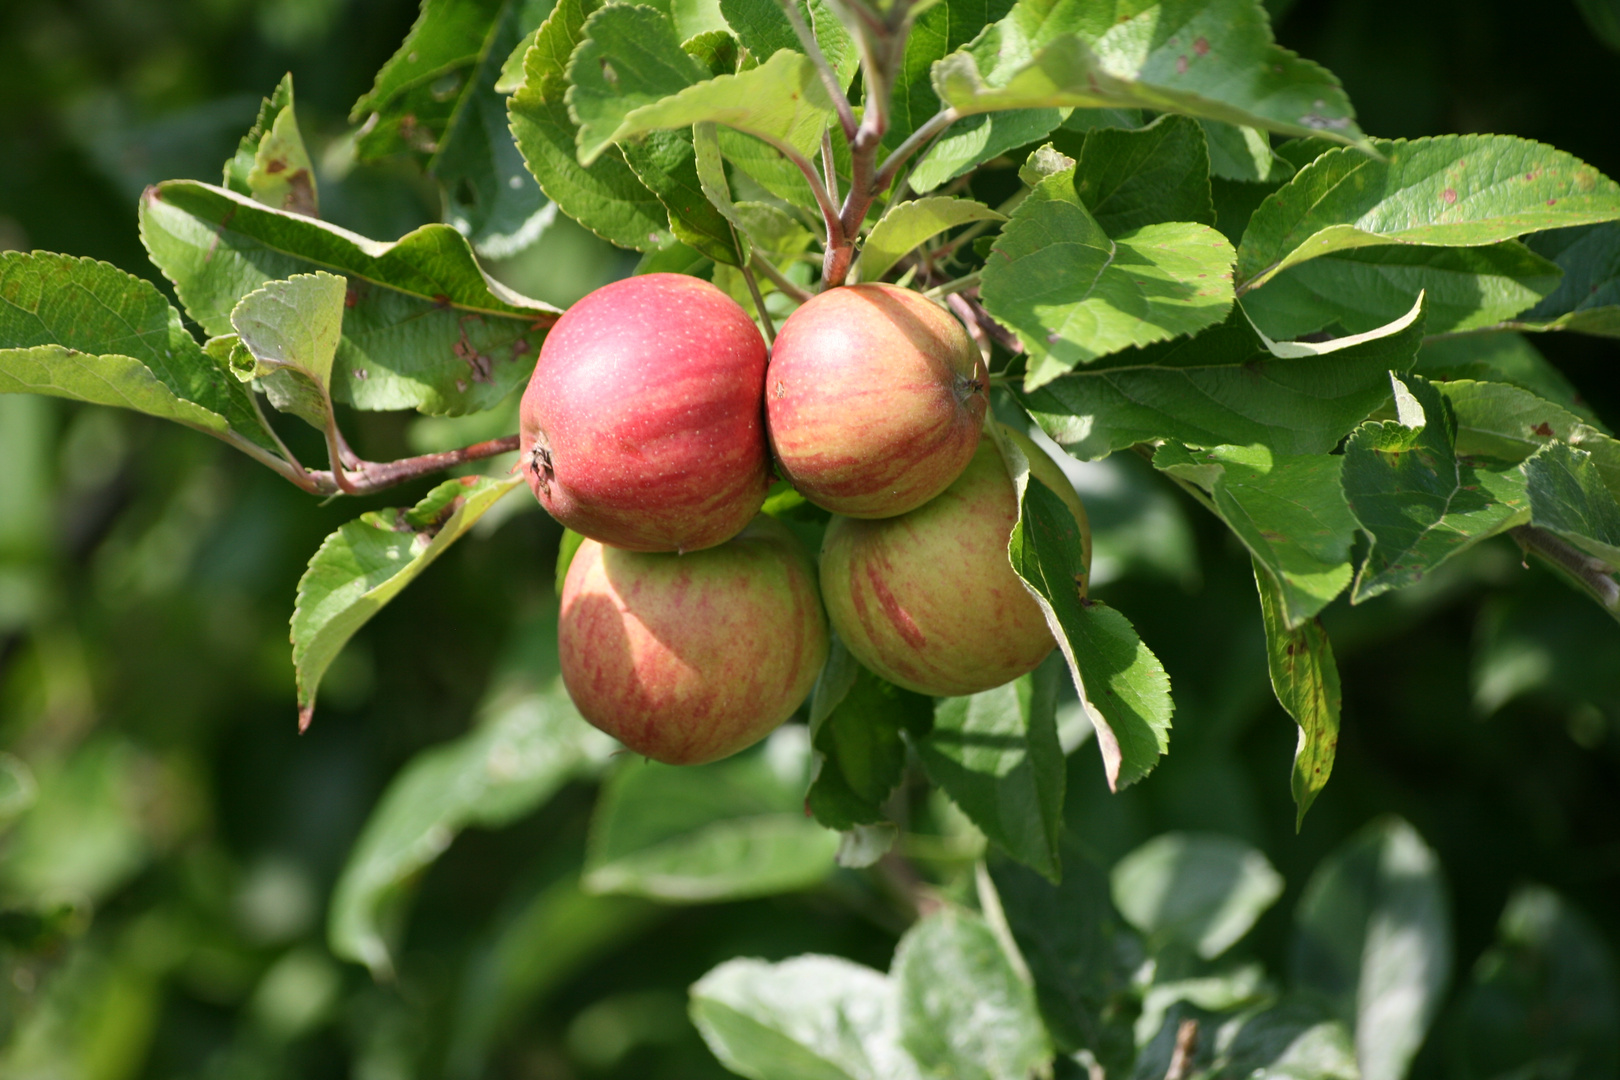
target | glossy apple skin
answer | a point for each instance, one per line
(874, 399)
(691, 658)
(928, 599)
(641, 426)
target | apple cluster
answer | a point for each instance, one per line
(691, 624)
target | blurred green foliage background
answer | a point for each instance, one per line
(162, 901)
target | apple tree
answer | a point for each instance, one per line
(1173, 254)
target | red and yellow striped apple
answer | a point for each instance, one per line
(690, 658)
(874, 399)
(641, 426)
(928, 600)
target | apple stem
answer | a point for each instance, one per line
(783, 283)
(759, 304)
(961, 284)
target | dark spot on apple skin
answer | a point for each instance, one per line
(540, 465)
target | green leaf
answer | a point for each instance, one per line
(1081, 954)
(1450, 191)
(860, 755)
(1305, 678)
(438, 100)
(1073, 294)
(528, 742)
(271, 164)
(630, 76)
(85, 330)
(1213, 59)
(630, 56)
(1372, 937)
(711, 174)
(1497, 358)
(1153, 175)
(1507, 424)
(1568, 496)
(1124, 687)
(666, 162)
(1243, 154)
(908, 225)
(1229, 385)
(423, 328)
(1197, 891)
(996, 754)
(808, 1018)
(964, 1011)
(1363, 288)
(1544, 1000)
(699, 834)
(1418, 503)
(291, 330)
(605, 197)
(1288, 510)
(973, 140)
(937, 30)
(763, 29)
(367, 562)
(1588, 298)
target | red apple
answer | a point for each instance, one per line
(874, 400)
(690, 658)
(641, 425)
(928, 599)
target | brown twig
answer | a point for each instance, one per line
(1593, 575)
(1186, 1046)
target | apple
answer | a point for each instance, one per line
(641, 426)
(928, 600)
(874, 400)
(689, 658)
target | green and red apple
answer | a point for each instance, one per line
(928, 599)
(874, 399)
(641, 426)
(689, 658)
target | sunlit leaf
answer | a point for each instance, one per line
(1305, 678)
(367, 562)
(964, 1011)
(82, 329)
(1213, 59)
(1448, 191)
(1227, 385)
(423, 326)
(1073, 294)
(1412, 495)
(1124, 687)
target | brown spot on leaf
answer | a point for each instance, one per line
(1543, 429)
(1201, 46)
(1552, 202)
(1450, 195)
(1181, 64)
